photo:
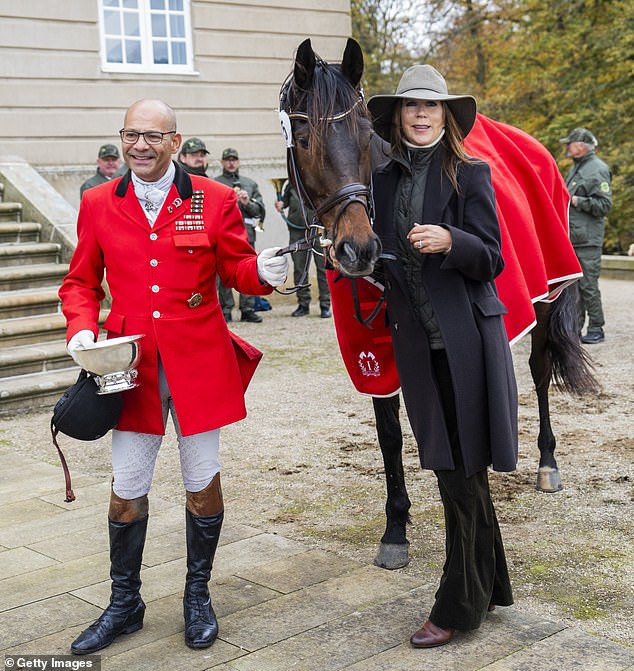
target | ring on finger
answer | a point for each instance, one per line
(419, 244)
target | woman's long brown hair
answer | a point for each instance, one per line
(452, 142)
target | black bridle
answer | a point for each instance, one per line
(342, 198)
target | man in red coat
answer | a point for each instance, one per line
(162, 237)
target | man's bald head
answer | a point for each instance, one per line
(148, 118)
(154, 107)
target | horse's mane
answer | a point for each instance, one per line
(330, 97)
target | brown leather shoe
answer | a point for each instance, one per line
(431, 636)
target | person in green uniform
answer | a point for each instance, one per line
(296, 232)
(252, 208)
(193, 156)
(108, 166)
(589, 183)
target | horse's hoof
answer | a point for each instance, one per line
(392, 555)
(548, 480)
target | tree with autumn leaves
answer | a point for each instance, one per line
(546, 66)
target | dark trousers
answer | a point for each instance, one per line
(225, 294)
(589, 294)
(475, 573)
(301, 262)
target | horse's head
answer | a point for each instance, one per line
(329, 153)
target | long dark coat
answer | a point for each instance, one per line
(469, 313)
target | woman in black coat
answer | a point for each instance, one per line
(436, 217)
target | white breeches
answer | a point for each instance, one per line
(134, 454)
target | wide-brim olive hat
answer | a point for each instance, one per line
(421, 82)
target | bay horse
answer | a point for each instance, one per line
(331, 151)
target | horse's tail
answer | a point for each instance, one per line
(571, 366)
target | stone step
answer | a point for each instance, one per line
(34, 358)
(10, 211)
(32, 275)
(24, 232)
(35, 368)
(37, 391)
(17, 254)
(36, 329)
(27, 302)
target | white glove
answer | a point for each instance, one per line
(272, 269)
(80, 340)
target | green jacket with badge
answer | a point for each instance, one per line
(590, 181)
(255, 207)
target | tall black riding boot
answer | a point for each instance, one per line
(126, 609)
(203, 532)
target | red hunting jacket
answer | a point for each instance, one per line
(163, 284)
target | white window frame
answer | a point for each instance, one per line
(147, 64)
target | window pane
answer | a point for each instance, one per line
(160, 53)
(159, 25)
(133, 51)
(114, 54)
(179, 53)
(177, 26)
(111, 22)
(146, 32)
(131, 24)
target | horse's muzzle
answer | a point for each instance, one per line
(354, 260)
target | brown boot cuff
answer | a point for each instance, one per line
(207, 501)
(127, 510)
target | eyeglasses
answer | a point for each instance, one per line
(151, 136)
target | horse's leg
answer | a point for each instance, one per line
(557, 356)
(548, 476)
(394, 549)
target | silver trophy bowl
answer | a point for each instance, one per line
(112, 362)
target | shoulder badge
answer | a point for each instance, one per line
(605, 187)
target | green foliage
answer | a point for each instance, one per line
(544, 66)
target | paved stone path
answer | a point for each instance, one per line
(281, 606)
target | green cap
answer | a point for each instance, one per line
(193, 145)
(229, 153)
(108, 150)
(580, 135)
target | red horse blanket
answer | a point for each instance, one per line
(532, 207)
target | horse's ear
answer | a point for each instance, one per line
(352, 63)
(304, 64)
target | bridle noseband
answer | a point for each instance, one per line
(348, 194)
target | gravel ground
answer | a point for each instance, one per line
(306, 464)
